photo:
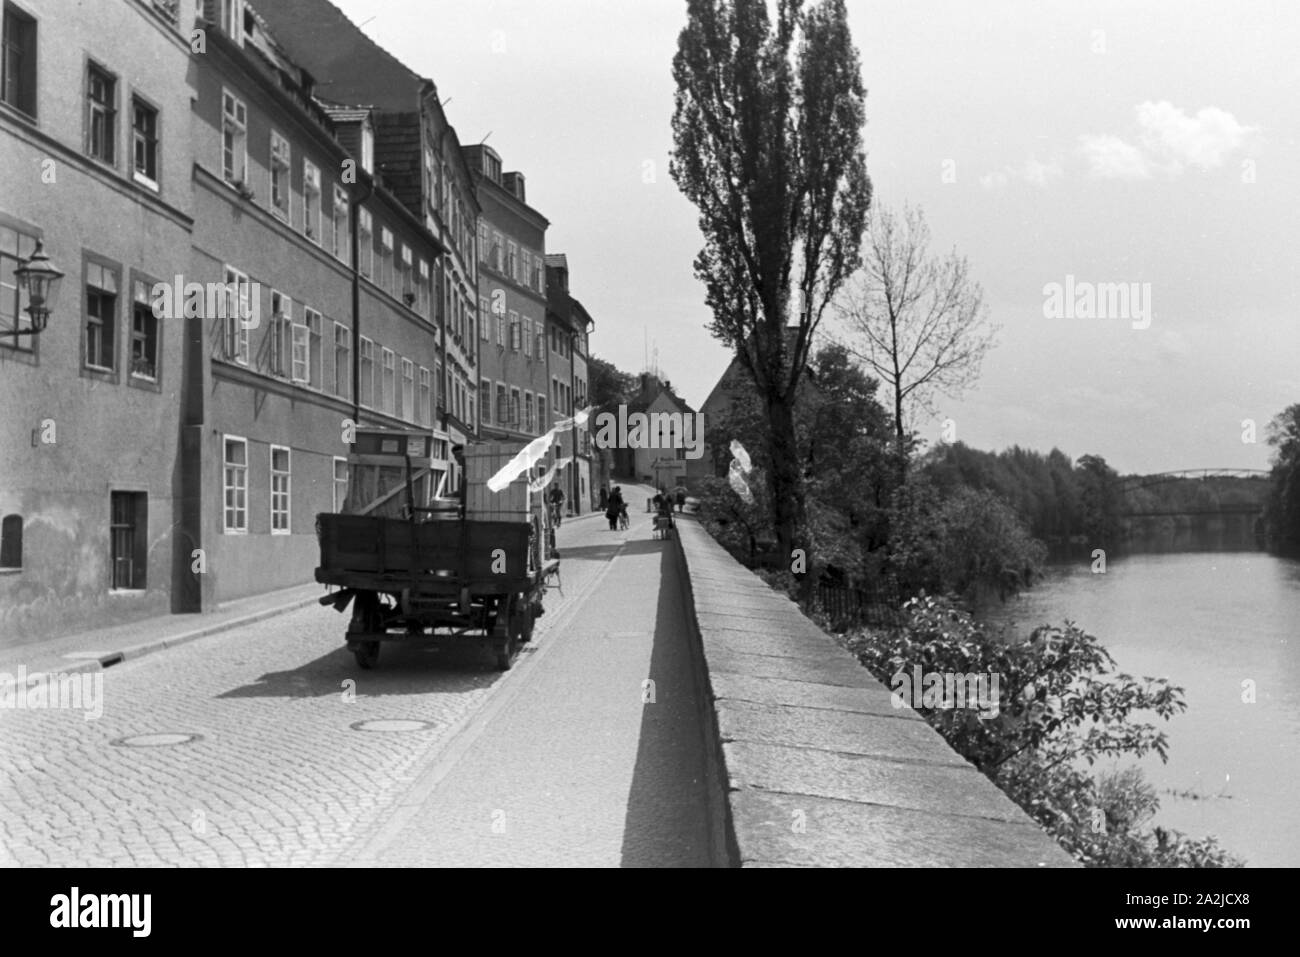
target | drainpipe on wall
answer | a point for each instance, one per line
(355, 229)
(573, 409)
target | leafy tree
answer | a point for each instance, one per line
(918, 320)
(1099, 500)
(1060, 708)
(607, 385)
(1282, 514)
(970, 542)
(767, 132)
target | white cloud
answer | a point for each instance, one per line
(1170, 140)
(1109, 157)
(1204, 140)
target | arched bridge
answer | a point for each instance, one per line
(1132, 483)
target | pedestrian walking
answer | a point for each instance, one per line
(680, 495)
(614, 506)
(604, 498)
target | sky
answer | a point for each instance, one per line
(1152, 144)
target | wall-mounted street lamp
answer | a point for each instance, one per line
(40, 280)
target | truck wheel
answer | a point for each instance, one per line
(506, 655)
(521, 622)
(367, 654)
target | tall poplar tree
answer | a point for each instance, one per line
(768, 146)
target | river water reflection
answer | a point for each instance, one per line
(1208, 621)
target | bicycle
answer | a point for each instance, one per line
(556, 509)
(624, 523)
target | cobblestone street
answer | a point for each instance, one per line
(552, 762)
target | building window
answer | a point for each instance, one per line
(408, 390)
(526, 267)
(367, 373)
(281, 164)
(365, 243)
(423, 291)
(528, 412)
(385, 278)
(542, 424)
(540, 344)
(340, 483)
(341, 237)
(483, 245)
(239, 301)
(389, 380)
(497, 251)
(528, 337)
(232, 20)
(144, 141)
(405, 287)
(14, 248)
(300, 363)
(129, 538)
(311, 201)
(101, 113)
(512, 260)
(440, 388)
(279, 490)
(367, 147)
(234, 139)
(515, 333)
(342, 363)
(422, 401)
(503, 406)
(18, 69)
(235, 485)
(281, 333)
(514, 408)
(101, 316)
(11, 542)
(315, 349)
(144, 334)
(430, 179)
(485, 400)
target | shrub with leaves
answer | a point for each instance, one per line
(1061, 707)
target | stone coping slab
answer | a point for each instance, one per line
(821, 770)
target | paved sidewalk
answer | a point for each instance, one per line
(92, 650)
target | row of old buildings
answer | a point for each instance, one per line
(369, 269)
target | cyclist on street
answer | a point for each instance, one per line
(556, 497)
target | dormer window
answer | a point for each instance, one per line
(233, 20)
(367, 147)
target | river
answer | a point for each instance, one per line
(1208, 622)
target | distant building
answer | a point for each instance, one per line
(513, 385)
(734, 386)
(419, 160)
(568, 329)
(276, 193)
(657, 400)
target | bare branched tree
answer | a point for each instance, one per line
(768, 146)
(917, 320)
